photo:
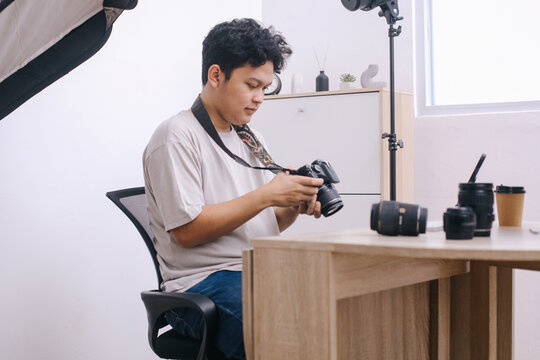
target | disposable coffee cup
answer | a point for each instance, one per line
(510, 204)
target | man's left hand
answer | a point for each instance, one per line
(312, 207)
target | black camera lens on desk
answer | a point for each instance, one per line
(459, 223)
(395, 218)
(479, 197)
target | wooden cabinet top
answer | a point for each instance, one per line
(334, 92)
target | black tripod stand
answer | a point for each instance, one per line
(391, 12)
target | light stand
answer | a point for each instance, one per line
(390, 10)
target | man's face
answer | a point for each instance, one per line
(241, 95)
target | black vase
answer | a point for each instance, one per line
(321, 82)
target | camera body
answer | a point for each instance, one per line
(328, 196)
(319, 169)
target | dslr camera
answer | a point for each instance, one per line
(328, 196)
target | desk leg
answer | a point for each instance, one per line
(247, 302)
(505, 296)
(460, 317)
(440, 319)
(491, 312)
(481, 311)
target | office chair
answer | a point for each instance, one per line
(169, 345)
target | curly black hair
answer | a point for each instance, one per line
(235, 43)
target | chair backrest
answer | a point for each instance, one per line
(132, 202)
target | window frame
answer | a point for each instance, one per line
(423, 76)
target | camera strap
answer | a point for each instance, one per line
(245, 134)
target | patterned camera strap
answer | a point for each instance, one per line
(254, 145)
(245, 134)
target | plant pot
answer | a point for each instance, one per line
(346, 85)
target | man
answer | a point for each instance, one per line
(203, 205)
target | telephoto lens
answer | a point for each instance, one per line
(459, 223)
(395, 218)
(479, 197)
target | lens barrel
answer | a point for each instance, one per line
(459, 223)
(395, 218)
(479, 197)
(330, 200)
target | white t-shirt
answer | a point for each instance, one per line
(184, 169)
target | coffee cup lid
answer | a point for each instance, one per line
(501, 189)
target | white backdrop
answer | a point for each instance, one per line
(71, 264)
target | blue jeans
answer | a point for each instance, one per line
(224, 288)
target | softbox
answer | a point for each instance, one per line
(41, 41)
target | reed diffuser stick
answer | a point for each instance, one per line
(324, 60)
(317, 58)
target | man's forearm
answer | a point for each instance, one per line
(220, 219)
(285, 216)
(284, 191)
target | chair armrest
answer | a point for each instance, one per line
(157, 303)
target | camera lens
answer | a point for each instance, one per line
(330, 200)
(459, 223)
(394, 218)
(479, 197)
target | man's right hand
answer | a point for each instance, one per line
(291, 190)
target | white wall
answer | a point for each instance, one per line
(71, 264)
(446, 148)
(353, 39)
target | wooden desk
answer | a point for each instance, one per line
(359, 295)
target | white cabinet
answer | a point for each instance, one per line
(343, 128)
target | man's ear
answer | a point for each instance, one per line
(215, 75)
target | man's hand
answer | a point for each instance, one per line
(311, 207)
(294, 195)
(291, 190)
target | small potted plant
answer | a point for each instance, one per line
(347, 81)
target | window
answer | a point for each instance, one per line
(474, 56)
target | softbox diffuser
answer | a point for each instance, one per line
(41, 41)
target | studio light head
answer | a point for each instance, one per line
(389, 8)
(365, 5)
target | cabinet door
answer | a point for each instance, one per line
(354, 214)
(342, 129)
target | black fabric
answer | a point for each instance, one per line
(170, 344)
(203, 118)
(71, 51)
(4, 4)
(120, 4)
